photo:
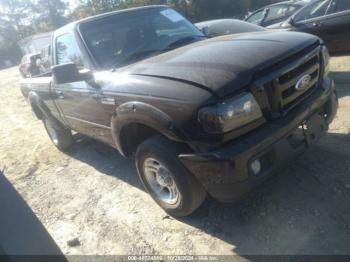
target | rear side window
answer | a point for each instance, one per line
(342, 5)
(257, 17)
(67, 51)
(281, 11)
(314, 10)
(49, 51)
(277, 11)
(45, 52)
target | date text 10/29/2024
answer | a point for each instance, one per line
(173, 258)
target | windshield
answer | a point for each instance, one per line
(125, 38)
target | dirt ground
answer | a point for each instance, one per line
(94, 194)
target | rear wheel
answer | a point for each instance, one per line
(168, 182)
(59, 135)
(22, 74)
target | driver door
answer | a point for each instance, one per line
(79, 102)
(338, 22)
(311, 20)
(330, 24)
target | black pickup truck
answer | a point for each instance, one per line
(202, 116)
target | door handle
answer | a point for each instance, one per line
(59, 95)
(96, 96)
(315, 24)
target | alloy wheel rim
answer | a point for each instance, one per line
(161, 181)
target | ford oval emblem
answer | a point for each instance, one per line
(303, 83)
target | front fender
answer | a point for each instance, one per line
(147, 115)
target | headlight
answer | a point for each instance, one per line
(230, 114)
(325, 58)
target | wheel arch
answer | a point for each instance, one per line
(36, 105)
(40, 110)
(134, 122)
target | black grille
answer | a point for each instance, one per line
(279, 83)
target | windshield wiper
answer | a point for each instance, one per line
(146, 53)
(183, 41)
(130, 58)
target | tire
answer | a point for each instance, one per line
(58, 134)
(158, 156)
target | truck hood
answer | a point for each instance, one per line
(224, 64)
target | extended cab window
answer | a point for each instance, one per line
(125, 38)
(67, 51)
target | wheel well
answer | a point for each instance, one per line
(132, 135)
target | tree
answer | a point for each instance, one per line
(21, 18)
(95, 7)
(14, 16)
(13, 27)
(28, 17)
(50, 14)
(195, 10)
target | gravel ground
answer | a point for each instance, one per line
(93, 194)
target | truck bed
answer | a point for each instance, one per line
(40, 84)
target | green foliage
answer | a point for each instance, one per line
(50, 14)
(21, 18)
(13, 15)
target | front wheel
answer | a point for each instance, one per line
(60, 136)
(168, 182)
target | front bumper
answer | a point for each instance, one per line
(226, 173)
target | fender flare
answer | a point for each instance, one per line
(40, 110)
(147, 115)
(36, 105)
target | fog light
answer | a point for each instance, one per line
(256, 167)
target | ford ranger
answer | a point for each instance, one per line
(201, 116)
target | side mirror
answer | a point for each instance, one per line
(291, 21)
(69, 73)
(205, 30)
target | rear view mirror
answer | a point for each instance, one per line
(69, 73)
